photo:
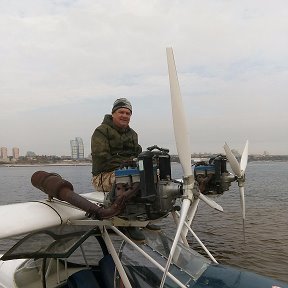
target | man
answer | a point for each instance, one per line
(112, 144)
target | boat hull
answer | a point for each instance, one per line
(7, 270)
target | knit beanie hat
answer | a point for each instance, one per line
(121, 103)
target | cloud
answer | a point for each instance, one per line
(60, 59)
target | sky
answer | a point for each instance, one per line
(64, 62)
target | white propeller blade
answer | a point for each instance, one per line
(239, 171)
(232, 161)
(242, 201)
(244, 158)
(179, 121)
(210, 202)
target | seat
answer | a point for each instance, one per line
(83, 279)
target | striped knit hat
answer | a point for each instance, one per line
(121, 103)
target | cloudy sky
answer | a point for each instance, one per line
(64, 62)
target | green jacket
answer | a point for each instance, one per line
(111, 146)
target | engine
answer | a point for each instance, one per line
(157, 192)
(212, 176)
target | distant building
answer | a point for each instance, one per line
(80, 148)
(74, 149)
(77, 148)
(15, 153)
(4, 154)
(30, 154)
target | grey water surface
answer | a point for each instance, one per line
(265, 250)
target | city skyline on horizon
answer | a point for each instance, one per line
(78, 141)
(87, 155)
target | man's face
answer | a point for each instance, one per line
(121, 117)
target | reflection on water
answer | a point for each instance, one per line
(266, 247)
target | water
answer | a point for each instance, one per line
(266, 248)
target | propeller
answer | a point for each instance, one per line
(239, 171)
(183, 149)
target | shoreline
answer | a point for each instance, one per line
(7, 165)
(45, 164)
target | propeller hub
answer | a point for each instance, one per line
(188, 184)
(241, 180)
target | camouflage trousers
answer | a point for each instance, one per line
(104, 181)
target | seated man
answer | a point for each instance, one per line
(112, 144)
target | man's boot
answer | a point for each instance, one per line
(153, 227)
(135, 234)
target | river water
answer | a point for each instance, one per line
(265, 250)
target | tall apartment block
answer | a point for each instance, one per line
(15, 152)
(4, 154)
(77, 148)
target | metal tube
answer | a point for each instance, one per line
(183, 238)
(190, 215)
(200, 242)
(53, 185)
(116, 259)
(58, 272)
(84, 256)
